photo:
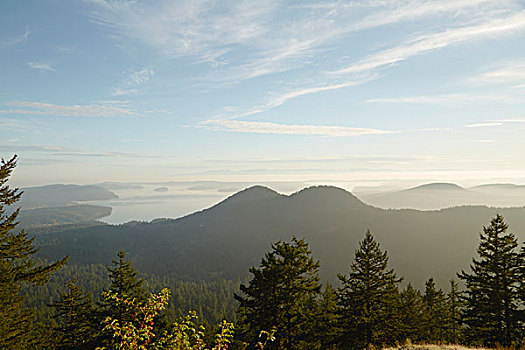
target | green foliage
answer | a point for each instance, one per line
(283, 293)
(328, 322)
(125, 287)
(455, 304)
(435, 314)
(492, 310)
(411, 314)
(212, 300)
(17, 267)
(137, 333)
(368, 299)
(77, 325)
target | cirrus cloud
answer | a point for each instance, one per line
(90, 110)
(41, 66)
(288, 129)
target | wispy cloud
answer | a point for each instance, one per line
(507, 72)
(446, 99)
(434, 129)
(41, 66)
(16, 125)
(509, 120)
(326, 159)
(366, 69)
(185, 27)
(284, 129)
(278, 99)
(63, 151)
(66, 50)
(134, 82)
(17, 39)
(483, 125)
(91, 110)
(403, 11)
(311, 32)
(273, 36)
(428, 43)
(281, 99)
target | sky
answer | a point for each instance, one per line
(368, 91)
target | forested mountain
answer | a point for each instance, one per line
(222, 242)
(61, 195)
(72, 214)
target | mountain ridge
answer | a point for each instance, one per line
(225, 240)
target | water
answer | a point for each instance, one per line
(145, 204)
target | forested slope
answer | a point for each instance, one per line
(222, 242)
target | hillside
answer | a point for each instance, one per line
(228, 238)
(62, 195)
(68, 215)
(437, 186)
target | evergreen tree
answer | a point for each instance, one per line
(455, 306)
(77, 324)
(282, 293)
(521, 311)
(17, 267)
(368, 299)
(328, 330)
(492, 288)
(411, 314)
(435, 313)
(125, 285)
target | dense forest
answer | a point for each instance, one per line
(283, 303)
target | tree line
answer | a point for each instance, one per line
(212, 300)
(369, 308)
(283, 306)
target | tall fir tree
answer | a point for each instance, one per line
(455, 309)
(492, 311)
(124, 285)
(369, 299)
(77, 324)
(17, 267)
(435, 315)
(411, 314)
(521, 311)
(283, 293)
(328, 330)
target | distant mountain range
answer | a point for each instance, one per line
(444, 195)
(224, 241)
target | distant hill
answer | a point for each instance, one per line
(62, 195)
(73, 214)
(224, 241)
(508, 189)
(435, 196)
(437, 186)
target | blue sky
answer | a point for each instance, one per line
(365, 91)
